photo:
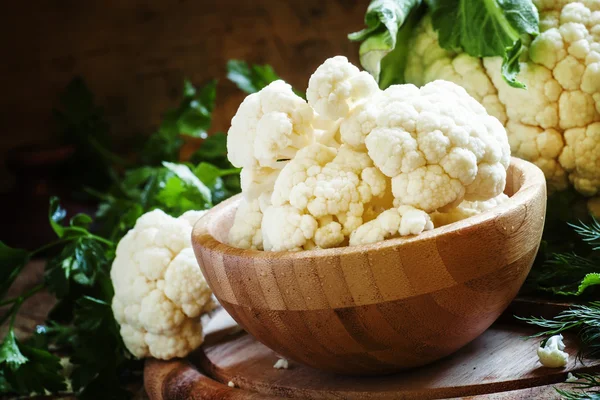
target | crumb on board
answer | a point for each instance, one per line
(282, 363)
(571, 378)
(231, 384)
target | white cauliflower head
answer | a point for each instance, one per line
(439, 146)
(160, 291)
(552, 122)
(337, 86)
(269, 126)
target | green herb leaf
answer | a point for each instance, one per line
(27, 369)
(192, 118)
(250, 79)
(213, 150)
(584, 382)
(79, 263)
(10, 352)
(12, 262)
(81, 221)
(82, 125)
(588, 281)
(585, 319)
(185, 174)
(56, 214)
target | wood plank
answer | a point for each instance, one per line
(135, 54)
(498, 361)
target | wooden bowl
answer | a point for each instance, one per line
(383, 307)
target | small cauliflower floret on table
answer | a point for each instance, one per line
(160, 292)
(552, 354)
(439, 147)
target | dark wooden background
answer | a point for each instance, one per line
(134, 54)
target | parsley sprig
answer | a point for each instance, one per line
(81, 326)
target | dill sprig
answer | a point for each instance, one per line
(584, 318)
(589, 232)
(573, 272)
(586, 381)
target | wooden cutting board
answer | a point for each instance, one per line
(499, 362)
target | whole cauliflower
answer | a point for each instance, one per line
(160, 292)
(555, 123)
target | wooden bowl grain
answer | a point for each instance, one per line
(383, 307)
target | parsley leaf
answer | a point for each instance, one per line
(252, 78)
(25, 369)
(81, 124)
(213, 150)
(192, 118)
(12, 262)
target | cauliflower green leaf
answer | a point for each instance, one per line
(481, 28)
(486, 28)
(384, 20)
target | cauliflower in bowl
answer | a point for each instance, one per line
(357, 165)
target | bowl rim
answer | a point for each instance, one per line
(533, 181)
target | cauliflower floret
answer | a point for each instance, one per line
(337, 86)
(581, 158)
(439, 146)
(287, 228)
(329, 234)
(282, 363)
(466, 209)
(193, 216)
(552, 354)
(547, 122)
(403, 221)
(269, 126)
(160, 291)
(324, 182)
(246, 232)
(256, 181)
